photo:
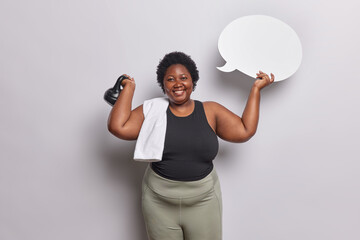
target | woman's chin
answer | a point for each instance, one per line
(179, 99)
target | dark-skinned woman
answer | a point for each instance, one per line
(181, 193)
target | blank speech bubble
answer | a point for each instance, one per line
(260, 42)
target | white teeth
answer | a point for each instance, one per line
(179, 92)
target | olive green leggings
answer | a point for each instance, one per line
(176, 210)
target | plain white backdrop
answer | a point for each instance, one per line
(64, 176)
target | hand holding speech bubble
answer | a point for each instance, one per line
(260, 42)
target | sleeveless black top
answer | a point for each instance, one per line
(190, 146)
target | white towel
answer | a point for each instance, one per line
(150, 143)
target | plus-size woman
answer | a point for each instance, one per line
(181, 196)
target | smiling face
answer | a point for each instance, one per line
(178, 84)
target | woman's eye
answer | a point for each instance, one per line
(170, 79)
(183, 78)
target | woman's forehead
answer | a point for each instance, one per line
(177, 69)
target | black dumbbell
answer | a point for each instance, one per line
(112, 94)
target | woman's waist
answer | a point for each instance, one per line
(179, 189)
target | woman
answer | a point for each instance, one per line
(181, 193)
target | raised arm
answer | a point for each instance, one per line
(123, 122)
(233, 128)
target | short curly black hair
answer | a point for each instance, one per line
(176, 58)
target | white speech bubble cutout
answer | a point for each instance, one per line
(260, 42)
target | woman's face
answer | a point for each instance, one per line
(178, 84)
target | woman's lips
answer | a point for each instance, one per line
(179, 92)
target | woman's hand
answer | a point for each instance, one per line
(129, 81)
(263, 80)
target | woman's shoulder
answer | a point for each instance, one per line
(215, 108)
(211, 104)
(212, 107)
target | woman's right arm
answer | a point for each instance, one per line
(122, 122)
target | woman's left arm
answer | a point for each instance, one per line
(231, 127)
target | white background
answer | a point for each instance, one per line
(64, 176)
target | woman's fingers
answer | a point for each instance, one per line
(264, 79)
(272, 77)
(262, 75)
(127, 76)
(127, 79)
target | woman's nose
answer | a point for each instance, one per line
(178, 82)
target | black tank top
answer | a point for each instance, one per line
(190, 146)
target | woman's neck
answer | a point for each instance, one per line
(183, 109)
